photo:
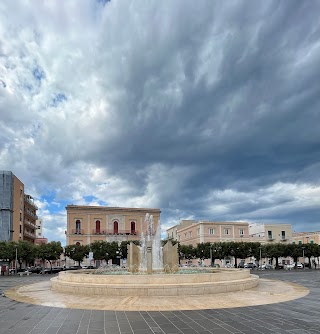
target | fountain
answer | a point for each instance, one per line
(153, 271)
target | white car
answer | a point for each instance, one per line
(289, 266)
(293, 266)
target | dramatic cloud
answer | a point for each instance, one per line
(206, 110)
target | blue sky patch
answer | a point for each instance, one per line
(57, 99)
(38, 73)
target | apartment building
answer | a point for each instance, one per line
(18, 212)
(192, 232)
(270, 233)
(86, 224)
(306, 237)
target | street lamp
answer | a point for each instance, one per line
(15, 269)
(260, 257)
(303, 258)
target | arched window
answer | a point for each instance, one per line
(78, 243)
(133, 228)
(78, 227)
(115, 227)
(98, 227)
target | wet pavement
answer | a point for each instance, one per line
(297, 316)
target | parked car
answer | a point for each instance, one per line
(289, 266)
(293, 266)
(266, 266)
(250, 265)
(35, 270)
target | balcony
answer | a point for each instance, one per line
(30, 214)
(77, 231)
(103, 232)
(122, 232)
(29, 235)
(30, 225)
(28, 199)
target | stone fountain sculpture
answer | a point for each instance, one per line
(151, 256)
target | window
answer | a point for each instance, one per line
(20, 216)
(311, 241)
(190, 234)
(98, 227)
(241, 232)
(293, 242)
(185, 235)
(20, 229)
(211, 231)
(133, 228)
(78, 227)
(115, 227)
(283, 235)
(226, 231)
(300, 242)
(269, 234)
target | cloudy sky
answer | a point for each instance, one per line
(204, 109)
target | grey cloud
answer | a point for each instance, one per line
(224, 93)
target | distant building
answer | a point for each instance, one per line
(270, 233)
(39, 224)
(86, 224)
(306, 237)
(192, 232)
(18, 212)
(39, 241)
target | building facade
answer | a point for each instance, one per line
(192, 232)
(306, 237)
(87, 224)
(270, 233)
(18, 212)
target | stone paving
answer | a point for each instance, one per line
(297, 316)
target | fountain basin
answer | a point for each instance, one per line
(216, 281)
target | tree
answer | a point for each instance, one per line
(99, 249)
(8, 251)
(26, 252)
(77, 252)
(277, 250)
(49, 252)
(187, 252)
(203, 250)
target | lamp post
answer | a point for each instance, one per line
(260, 257)
(303, 258)
(15, 267)
(210, 255)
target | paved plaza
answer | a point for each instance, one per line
(298, 316)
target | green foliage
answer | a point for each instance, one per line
(77, 252)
